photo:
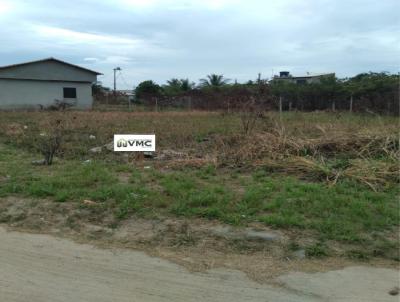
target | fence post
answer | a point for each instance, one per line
(351, 103)
(190, 103)
(280, 107)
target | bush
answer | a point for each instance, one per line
(48, 138)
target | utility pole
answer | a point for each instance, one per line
(115, 78)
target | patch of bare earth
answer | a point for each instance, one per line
(196, 244)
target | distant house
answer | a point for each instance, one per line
(42, 83)
(130, 94)
(301, 79)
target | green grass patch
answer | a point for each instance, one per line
(318, 250)
(347, 211)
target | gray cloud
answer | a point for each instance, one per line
(160, 39)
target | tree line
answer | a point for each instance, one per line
(373, 92)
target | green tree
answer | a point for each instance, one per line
(375, 91)
(214, 80)
(186, 85)
(147, 89)
(330, 88)
(175, 87)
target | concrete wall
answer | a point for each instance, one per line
(28, 94)
(294, 80)
(48, 70)
(308, 79)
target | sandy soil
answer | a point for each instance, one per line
(197, 245)
(44, 268)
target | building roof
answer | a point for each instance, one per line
(50, 59)
(308, 75)
(314, 75)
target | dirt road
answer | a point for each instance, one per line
(43, 268)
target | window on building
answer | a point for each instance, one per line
(69, 93)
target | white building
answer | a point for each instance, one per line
(309, 78)
(38, 84)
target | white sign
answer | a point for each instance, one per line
(134, 142)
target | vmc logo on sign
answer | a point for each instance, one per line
(134, 142)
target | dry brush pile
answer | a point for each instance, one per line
(329, 151)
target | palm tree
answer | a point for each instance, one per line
(186, 85)
(176, 86)
(173, 82)
(214, 80)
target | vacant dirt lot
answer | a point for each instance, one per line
(307, 192)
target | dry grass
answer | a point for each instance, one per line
(368, 153)
(319, 146)
(205, 166)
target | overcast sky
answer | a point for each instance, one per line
(161, 39)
